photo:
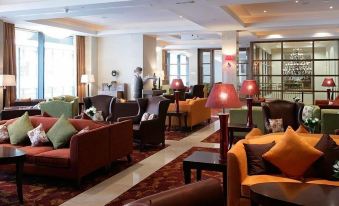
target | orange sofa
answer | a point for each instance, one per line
(238, 180)
(197, 112)
(86, 153)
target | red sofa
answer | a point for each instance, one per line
(86, 153)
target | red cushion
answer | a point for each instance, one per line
(54, 158)
(32, 151)
(10, 145)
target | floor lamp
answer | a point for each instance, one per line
(87, 79)
(328, 82)
(6, 80)
(223, 96)
(176, 85)
(250, 88)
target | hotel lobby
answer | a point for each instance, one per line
(169, 102)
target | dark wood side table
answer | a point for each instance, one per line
(178, 115)
(235, 127)
(288, 194)
(9, 155)
(200, 160)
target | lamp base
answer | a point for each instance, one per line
(223, 117)
(249, 112)
(328, 94)
(176, 95)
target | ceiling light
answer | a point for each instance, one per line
(265, 11)
(296, 1)
(322, 34)
(180, 17)
(274, 36)
(331, 7)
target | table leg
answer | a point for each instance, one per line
(185, 118)
(187, 173)
(179, 119)
(19, 171)
(230, 137)
(198, 174)
(169, 122)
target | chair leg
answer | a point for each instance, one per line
(129, 158)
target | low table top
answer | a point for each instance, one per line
(283, 193)
(204, 158)
(10, 152)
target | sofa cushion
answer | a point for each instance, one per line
(19, 128)
(292, 155)
(302, 129)
(11, 145)
(256, 165)
(32, 151)
(61, 132)
(37, 136)
(54, 158)
(256, 179)
(276, 125)
(4, 136)
(324, 166)
(322, 182)
(255, 132)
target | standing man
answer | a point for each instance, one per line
(138, 83)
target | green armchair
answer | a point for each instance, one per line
(67, 105)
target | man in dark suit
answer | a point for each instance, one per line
(138, 83)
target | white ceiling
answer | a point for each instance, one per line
(180, 23)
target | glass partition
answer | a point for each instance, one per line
(290, 69)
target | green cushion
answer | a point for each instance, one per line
(18, 129)
(61, 132)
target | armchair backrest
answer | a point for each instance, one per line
(104, 103)
(288, 111)
(197, 91)
(157, 105)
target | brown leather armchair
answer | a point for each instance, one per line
(290, 112)
(202, 193)
(150, 131)
(196, 91)
(102, 103)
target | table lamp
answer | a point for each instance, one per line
(87, 79)
(223, 96)
(6, 80)
(176, 85)
(328, 82)
(250, 88)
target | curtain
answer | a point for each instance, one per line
(80, 49)
(9, 64)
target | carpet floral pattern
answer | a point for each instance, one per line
(49, 191)
(168, 177)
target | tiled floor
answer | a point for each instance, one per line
(111, 188)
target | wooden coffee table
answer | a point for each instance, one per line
(178, 115)
(201, 160)
(288, 194)
(9, 155)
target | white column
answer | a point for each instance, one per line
(230, 56)
(91, 62)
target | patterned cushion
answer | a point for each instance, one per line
(152, 116)
(98, 116)
(145, 116)
(307, 112)
(4, 136)
(84, 130)
(276, 125)
(37, 136)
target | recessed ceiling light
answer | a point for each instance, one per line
(274, 36)
(265, 11)
(322, 34)
(180, 16)
(296, 1)
(331, 7)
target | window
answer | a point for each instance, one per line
(45, 65)
(210, 66)
(178, 66)
(27, 63)
(60, 76)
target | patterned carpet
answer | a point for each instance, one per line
(213, 138)
(178, 135)
(168, 177)
(47, 191)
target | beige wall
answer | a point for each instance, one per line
(149, 59)
(91, 61)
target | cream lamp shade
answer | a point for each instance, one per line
(7, 80)
(87, 78)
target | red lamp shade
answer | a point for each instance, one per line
(223, 96)
(328, 82)
(177, 84)
(249, 87)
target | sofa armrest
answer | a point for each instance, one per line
(236, 172)
(207, 192)
(88, 152)
(121, 139)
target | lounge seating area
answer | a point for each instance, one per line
(169, 103)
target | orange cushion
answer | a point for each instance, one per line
(292, 155)
(54, 158)
(255, 132)
(301, 129)
(32, 151)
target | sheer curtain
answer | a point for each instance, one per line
(80, 55)
(9, 59)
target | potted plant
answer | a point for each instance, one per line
(312, 123)
(336, 169)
